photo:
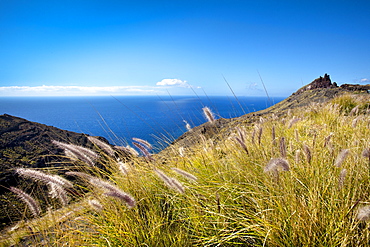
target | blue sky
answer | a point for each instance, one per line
(180, 47)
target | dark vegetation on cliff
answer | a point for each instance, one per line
(29, 145)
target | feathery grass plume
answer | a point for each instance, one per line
(95, 204)
(144, 151)
(341, 157)
(187, 125)
(273, 135)
(366, 153)
(32, 203)
(307, 152)
(297, 156)
(259, 134)
(354, 110)
(128, 150)
(253, 136)
(328, 138)
(113, 191)
(57, 191)
(296, 134)
(143, 142)
(170, 182)
(363, 213)
(293, 121)
(241, 134)
(185, 174)
(203, 138)
(104, 146)
(241, 139)
(208, 114)
(283, 147)
(70, 154)
(354, 122)
(46, 178)
(276, 164)
(262, 120)
(126, 198)
(181, 151)
(123, 167)
(314, 140)
(84, 154)
(342, 176)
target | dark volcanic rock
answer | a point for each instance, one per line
(356, 87)
(321, 82)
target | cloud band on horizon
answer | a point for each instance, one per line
(74, 90)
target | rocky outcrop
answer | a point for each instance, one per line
(321, 82)
(356, 87)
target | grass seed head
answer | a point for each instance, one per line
(366, 153)
(95, 204)
(126, 198)
(170, 182)
(46, 178)
(341, 157)
(277, 164)
(29, 200)
(84, 154)
(143, 142)
(104, 146)
(187, 125)
(185, 174)
(208, 114)
(363, 213)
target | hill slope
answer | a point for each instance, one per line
(28, 144)
(320, 90)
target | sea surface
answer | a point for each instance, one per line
(157, 119)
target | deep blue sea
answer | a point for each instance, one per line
(157, 119)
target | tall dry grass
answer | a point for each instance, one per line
(298, 180)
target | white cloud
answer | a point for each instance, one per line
(365, 80)
(74, 90)
(173, 82)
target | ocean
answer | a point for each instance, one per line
(157, 119)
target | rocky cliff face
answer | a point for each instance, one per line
(321, 82)
(356, 87)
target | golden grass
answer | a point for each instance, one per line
(233, 201)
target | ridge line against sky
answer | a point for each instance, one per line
(111, 47)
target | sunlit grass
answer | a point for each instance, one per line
(234, 199)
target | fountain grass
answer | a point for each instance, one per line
(233, 201)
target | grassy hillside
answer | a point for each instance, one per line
(298, 176)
